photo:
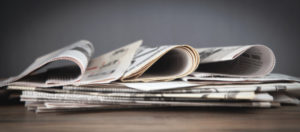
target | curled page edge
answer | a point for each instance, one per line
(237, 53)
(135, 74)
(46, 59)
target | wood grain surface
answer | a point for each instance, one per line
(15, 118)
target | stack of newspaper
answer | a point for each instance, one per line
(136, 76)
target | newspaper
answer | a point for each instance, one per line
(72, 65)
(112, 97)
(162, 63)
(136, 76)
(236, 61)
(78, 53)
(285, 99)
(188, 94)
(103, 69)
(67, 107)
(291, 88)
(102, 89)
(110, 66)
(271, 82)
(74, 98)
(42, 107)
(46, 105)
(273, 77)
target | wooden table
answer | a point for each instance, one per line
(287, 118)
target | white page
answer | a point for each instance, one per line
(159, 85)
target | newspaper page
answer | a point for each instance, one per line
(142, 96)
(237, 61)
(272, 77)
(76, 56)
(285, 99)
(46, 107)
(162, 63)
(198, 97)
(110, 66)
(291, 88)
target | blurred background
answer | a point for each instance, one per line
(32, 28)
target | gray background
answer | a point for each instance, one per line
(32, 28)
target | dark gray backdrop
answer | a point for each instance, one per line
(29, 29)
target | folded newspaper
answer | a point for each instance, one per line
(135, 63)
(137, 76)
(73, 65)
